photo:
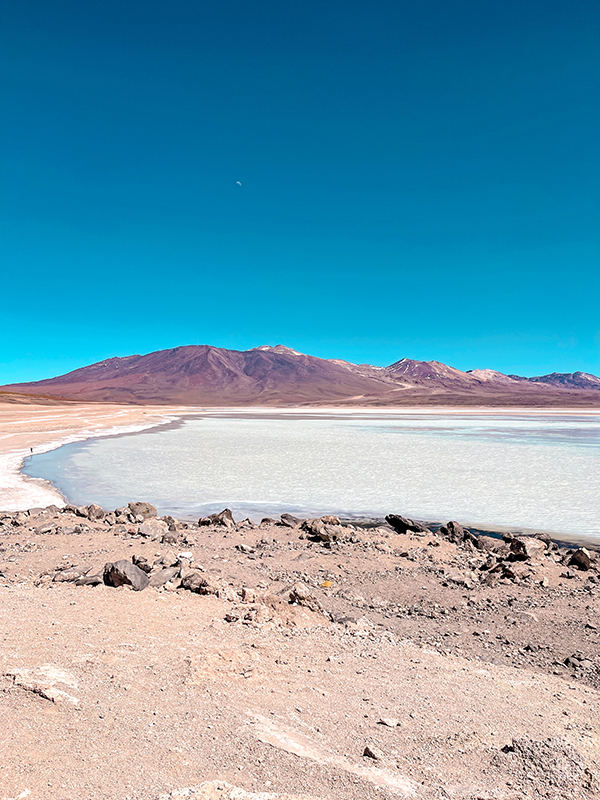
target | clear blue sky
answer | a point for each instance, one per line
(420, 178)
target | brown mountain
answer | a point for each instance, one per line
(205, 375)
(212, 376)
(570, 380)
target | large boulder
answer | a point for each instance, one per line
(153, 529)
(95, 512)
(524, 547)
(124, 573)
(401, 524)
(580, 559)
(454, 532)
(224, 518)
(145, 510)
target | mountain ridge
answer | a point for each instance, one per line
(280, 375)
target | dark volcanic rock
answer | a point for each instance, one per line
(95, 512)
(201, 584)
(580, 559)
(489, 543)
(548, 541)
(373, 752)
(124, 573)
(524, 547)
(290, 521)
(454, 532)
(402, 524)
(145, 510)
(321, 530)
(224, 518)
(142, 563)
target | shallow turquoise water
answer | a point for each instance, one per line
(533, 470)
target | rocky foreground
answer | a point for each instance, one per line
(146, 657)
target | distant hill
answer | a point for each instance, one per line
(275, 376)
(570, 380)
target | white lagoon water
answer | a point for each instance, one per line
(538, 470)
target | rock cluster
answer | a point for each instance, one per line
(357, 632)
(449, 558)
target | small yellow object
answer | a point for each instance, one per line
(327, 584)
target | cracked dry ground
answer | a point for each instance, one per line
(115, 693)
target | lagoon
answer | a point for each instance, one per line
(524, 470)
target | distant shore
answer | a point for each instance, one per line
(34, 429)
(27, 429)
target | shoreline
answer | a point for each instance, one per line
(32, 430)
(47, 428)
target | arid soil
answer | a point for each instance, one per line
(292, 660)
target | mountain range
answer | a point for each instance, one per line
(278, 376)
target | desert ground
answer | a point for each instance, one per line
(287, 659)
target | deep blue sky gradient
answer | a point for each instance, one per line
(419, 178)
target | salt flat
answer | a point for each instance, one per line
(530, 470)
(45, 427)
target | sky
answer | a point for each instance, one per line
(357, 180)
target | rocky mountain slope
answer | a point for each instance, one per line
(206, 375)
